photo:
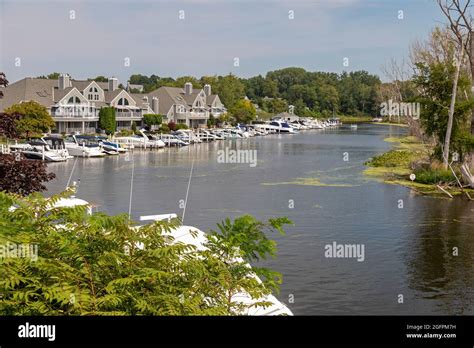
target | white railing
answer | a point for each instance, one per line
(75, 112)
(183, 115)
(128, 114)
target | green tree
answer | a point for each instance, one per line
(100, 78)
(107, 120)
(435, 83)
(243, 111)
(152, 119)
(230, 89)
(35, 118)
(100, 265)
(134, 127)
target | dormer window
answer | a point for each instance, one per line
(123, 101)
(93, 93)
(74, 100)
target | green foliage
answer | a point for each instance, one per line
(126, 132)
(152, 119)
(35, 118)
(134, 127)
(275, 105)
(107, 120)
(104, 265)
(181, 126)
(243, 111)
(100, 78)
(392, 158)
(434, 176)
(164, 128)
(435, 82)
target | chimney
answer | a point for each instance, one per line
(64, 81)
(188, 88)
(207, 90)
(113, 84)
(155, 105)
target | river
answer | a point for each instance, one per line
(316, 179)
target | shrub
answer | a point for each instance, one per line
(434, 176)
(164, 128)
(181, 126)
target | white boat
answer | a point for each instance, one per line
(204, 135)
(354, 126)
(110, 146)
(141, 140)
(188, 136)
(193, 236)
(81, 148)
(39, 151)
(170, 140)
(282, 127)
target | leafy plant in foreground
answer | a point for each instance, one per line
(102, 265)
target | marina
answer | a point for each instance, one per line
(304, 176)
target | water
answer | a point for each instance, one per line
(408, 251)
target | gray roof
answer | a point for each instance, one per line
(39, 90)
(46, 92)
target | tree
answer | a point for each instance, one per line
(100, 78)
(460, 23)
(435, 84)
(152, 119)
(8, 125)
(35, 118)
(107, 120)
(243, 111)
(230, 89)
(134, 127)
(3, 82)
(22, 176)
(91, 265)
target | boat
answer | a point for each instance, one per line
(38, 150)
(170, 140)
(140, 140)
(283, 127)
(353, 126)
(187, 135)
(193, 236)
(108, 145)
(204, 135)
(79, 146)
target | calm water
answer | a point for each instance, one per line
(407, 251)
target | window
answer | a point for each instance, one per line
(74, 100)
(123, 101)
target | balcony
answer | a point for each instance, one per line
(128, 115)
(192, 115)
(75, 112)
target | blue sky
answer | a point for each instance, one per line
(154, 38)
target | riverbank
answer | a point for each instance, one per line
(408, 164)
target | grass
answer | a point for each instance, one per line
(394, 167)
(355, 119)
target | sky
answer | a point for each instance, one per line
(120, 38)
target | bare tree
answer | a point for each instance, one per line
(460, 24)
